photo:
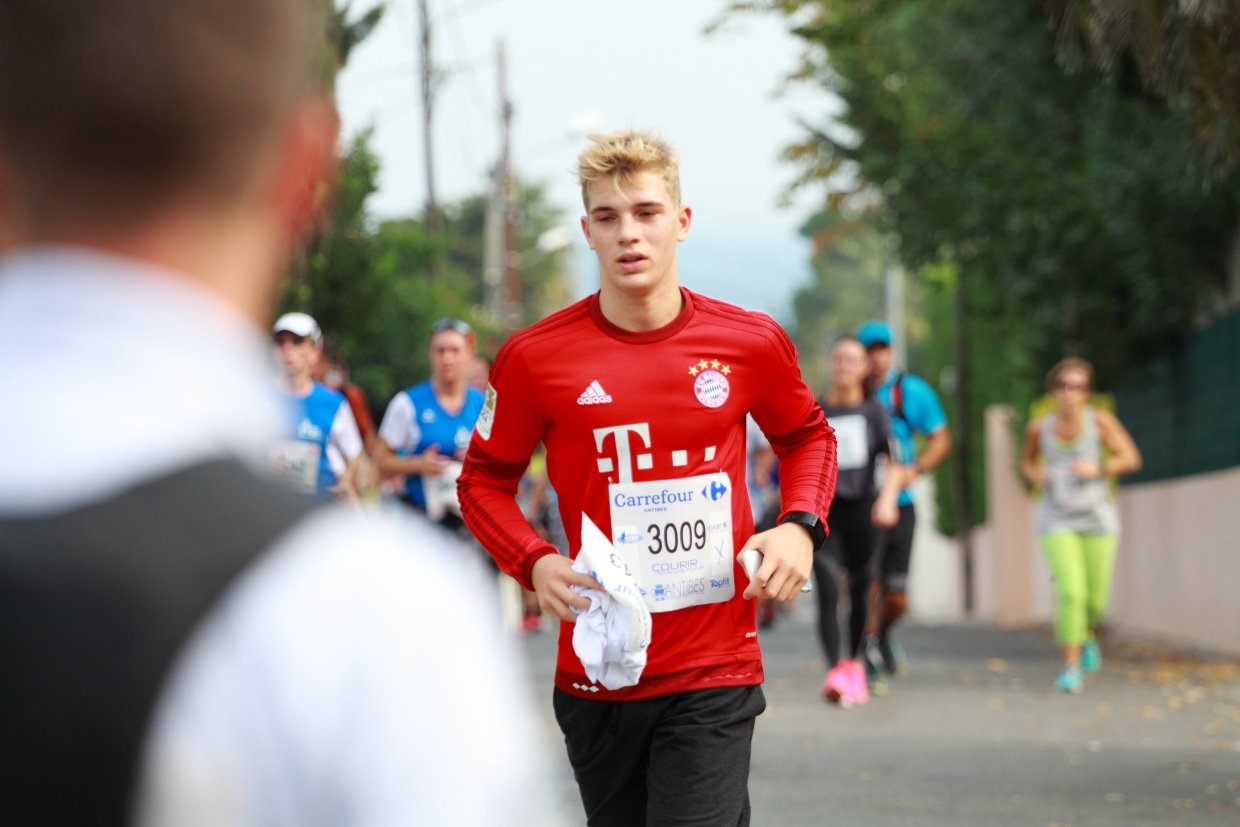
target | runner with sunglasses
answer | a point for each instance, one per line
(426, 428)
(322, 451)
(1078, 521)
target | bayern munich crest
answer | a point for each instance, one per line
(710, 384)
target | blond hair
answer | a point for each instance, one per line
(622, 156)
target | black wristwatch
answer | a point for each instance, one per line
(817, 533)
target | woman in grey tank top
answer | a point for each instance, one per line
(1078, 521)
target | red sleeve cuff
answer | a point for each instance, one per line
(527, 576)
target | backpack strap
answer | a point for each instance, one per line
(897, 397)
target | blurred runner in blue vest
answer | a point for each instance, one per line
(321, 455)
(427, 428)
(914, 408)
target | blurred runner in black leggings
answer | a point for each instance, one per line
(862, 432)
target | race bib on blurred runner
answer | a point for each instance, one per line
(852, 444)
(1069, 491)
(676, 535)
(440, 491)
(296, 464)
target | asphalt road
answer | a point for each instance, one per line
(975, 736)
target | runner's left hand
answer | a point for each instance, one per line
(787, 560)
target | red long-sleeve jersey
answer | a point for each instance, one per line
(667, 407)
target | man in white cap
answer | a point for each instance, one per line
(321, 455)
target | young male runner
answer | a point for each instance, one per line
(323, 449)
(914, 408)
(639, 394)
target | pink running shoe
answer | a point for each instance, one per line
(856, 691)
(834, 687)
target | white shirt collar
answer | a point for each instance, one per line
(115, 371)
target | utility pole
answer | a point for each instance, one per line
(893, 298)
(502, 262)
(430, 81)
(962, 437)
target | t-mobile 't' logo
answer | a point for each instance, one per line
(623, 456)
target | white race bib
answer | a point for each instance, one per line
(1069, 491)
(852, 441)
(676, 536)
(296, 464)
(440, 491)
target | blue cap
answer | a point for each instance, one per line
(872, 332)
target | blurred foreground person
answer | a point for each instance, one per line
(913, 408)
(426, 428)
(324, 449)
(1077, 517)
(639, 395)
(859, 511)
(182, 642)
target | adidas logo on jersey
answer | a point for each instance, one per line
(594, 395)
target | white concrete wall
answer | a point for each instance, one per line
(1177, 572)
(935, 594)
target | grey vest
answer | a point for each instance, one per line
(1069, 503)
(95, 605)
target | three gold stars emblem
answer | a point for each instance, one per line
(713, 364)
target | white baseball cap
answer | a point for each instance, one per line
(299, 324)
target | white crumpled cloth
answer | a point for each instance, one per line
(610, 637)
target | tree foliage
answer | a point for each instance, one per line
(1185, 51)
(1065, 208)
(369, 284)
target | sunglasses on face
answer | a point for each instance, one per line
(452, 324)
(286, 338)
(1061, 385)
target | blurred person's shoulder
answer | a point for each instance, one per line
(361, 655)
(341, 550)
(912, 383)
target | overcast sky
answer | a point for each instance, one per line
(641, 63)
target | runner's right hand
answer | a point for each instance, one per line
(885, 513)
(433, 462)
(553, 575)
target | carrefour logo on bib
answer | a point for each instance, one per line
(664, 497)
(715, 490)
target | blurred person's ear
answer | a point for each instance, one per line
(305, 169)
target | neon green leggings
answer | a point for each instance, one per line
(1081, 564)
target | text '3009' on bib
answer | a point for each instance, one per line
(676, 537)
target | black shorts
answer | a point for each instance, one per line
(895, 549)
(678, 760)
